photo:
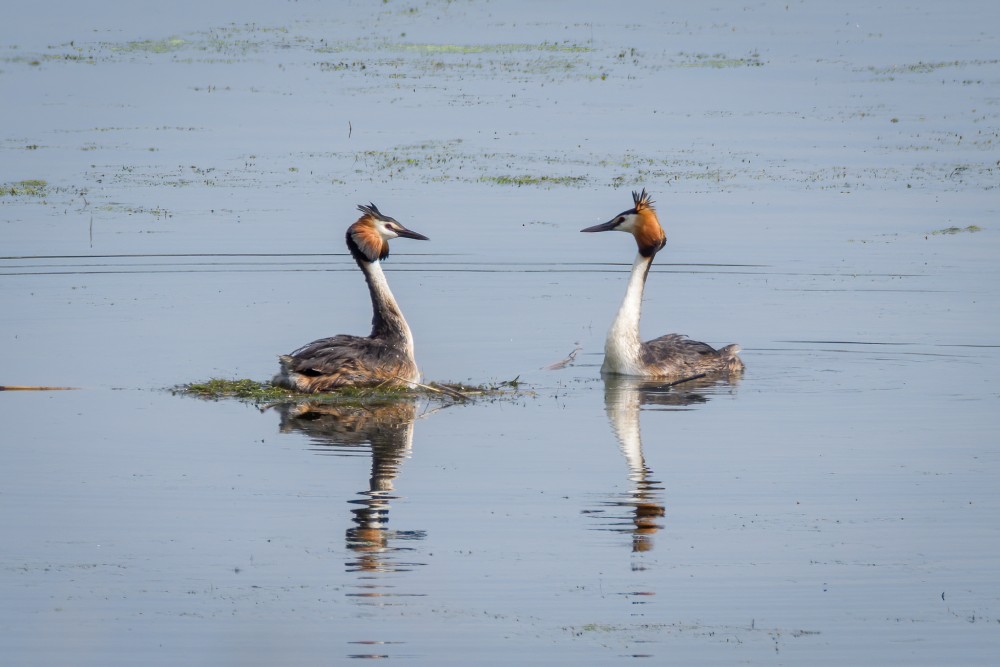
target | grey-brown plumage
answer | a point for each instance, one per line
(384, 357)
(347, 361)
(677, 356)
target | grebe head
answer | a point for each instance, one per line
(640, 221)
(368, 238)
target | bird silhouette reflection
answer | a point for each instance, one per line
(386, 430)
(641, 510)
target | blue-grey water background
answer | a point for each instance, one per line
(176, 182)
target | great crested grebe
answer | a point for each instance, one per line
(383, 358)
(672, 356)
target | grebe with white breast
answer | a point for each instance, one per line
(672, 356)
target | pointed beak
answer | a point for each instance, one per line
(409, 234)
(603, 227)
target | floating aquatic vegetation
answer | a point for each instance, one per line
(921, 67)
(265, 393)
(465, 49)
(27, 188)
(535, 180)
(957, 230)
(167, 45)
(718, 60)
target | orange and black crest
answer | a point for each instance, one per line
(373, 211)
(642, 200)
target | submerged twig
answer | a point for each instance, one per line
(439, 389)
(693, 377)
(428, 411)
(11, 387)
(564, 362)
(14, 387)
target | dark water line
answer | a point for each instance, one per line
(347, 256)
(843, 342)
(194, 254)
(425, 268)
(150, 264)
(461, 266)
(98, 273)
(863, 289)
(810, 350)
(970, 345)
(345, 268)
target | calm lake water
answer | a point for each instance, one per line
(176, 183)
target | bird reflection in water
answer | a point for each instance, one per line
(386, 431)
(640, 511)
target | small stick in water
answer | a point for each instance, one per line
(564, 362)
(14, 387)
(693, 377)
(439, 389)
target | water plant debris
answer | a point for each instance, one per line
(258, 393)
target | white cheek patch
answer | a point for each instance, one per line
(628, 225)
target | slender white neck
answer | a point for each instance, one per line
(623, 345)
(387, 319)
